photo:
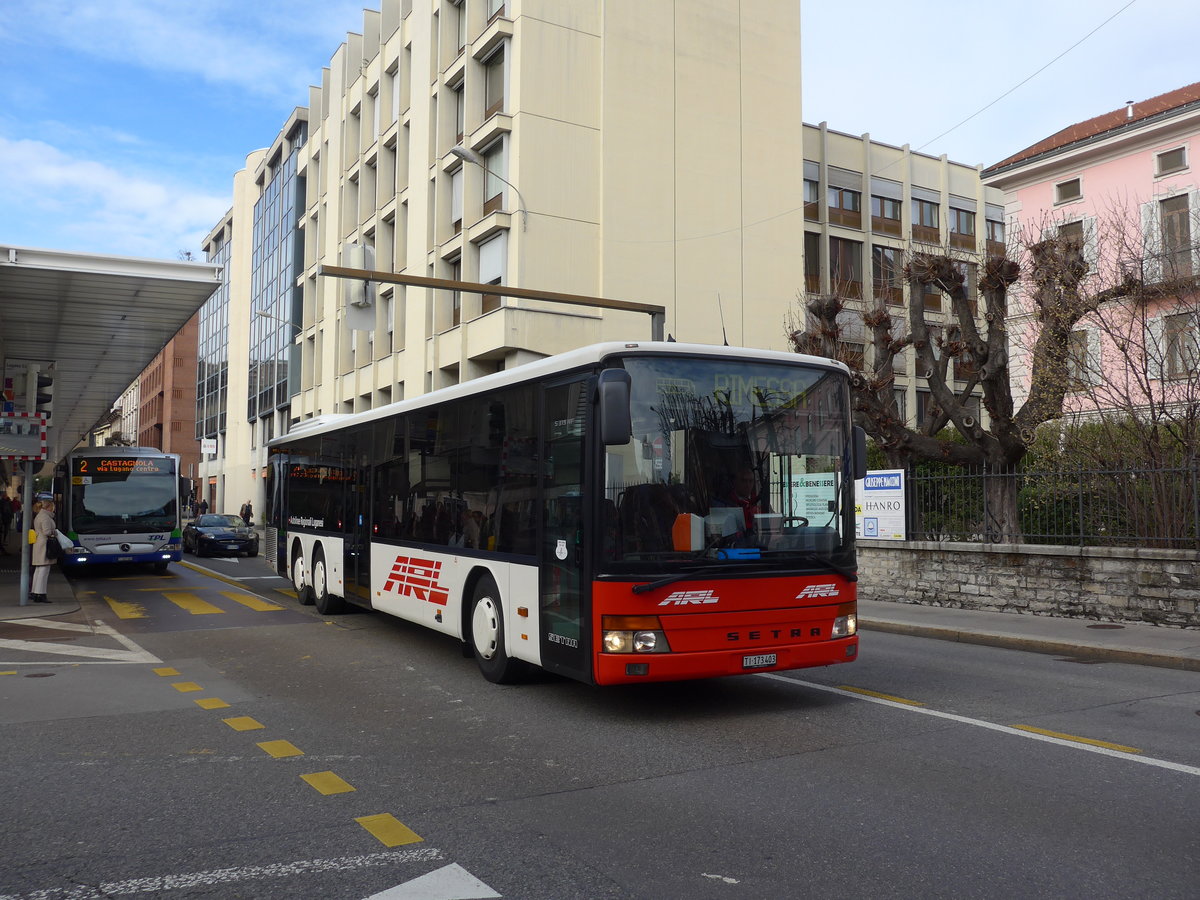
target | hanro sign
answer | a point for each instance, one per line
(879, 505)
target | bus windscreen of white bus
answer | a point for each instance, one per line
(124, 499)
(730, 463)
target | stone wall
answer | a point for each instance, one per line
(1103, 583)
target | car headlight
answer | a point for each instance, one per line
(634, 634)
(845, 626)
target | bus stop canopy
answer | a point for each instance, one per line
(99, 320)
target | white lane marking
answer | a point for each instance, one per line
(131, 654)
(160, 883)
(991, 726)
(451, 882)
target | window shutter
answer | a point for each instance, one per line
(1093, 376)
(1152, 243)
(1090, 250)
(1155, 351)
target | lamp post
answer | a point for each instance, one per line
(468, 155)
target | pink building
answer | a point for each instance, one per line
(1126, 185)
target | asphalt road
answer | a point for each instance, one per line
(215, 739)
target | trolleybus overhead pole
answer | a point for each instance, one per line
(658, 314)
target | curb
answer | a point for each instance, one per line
(1036, 645)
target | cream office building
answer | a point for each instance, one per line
(633, 151)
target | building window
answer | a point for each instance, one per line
(1181, 344)
(812, 200)
(493, 84)
(1068, 191)
(1072, 233)
(926, 221)
(845, 207)
(995, 237)
(1176, 237)
(456, 296)
(456, 199)
(812, 262)
(460, 113)
(493, 259)
(495, 9)
(496, 166)
(887, 274)
(962, 228)
(1171, 161)
(845, 267)
(885, 215)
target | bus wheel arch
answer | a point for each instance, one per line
(299, 575)
(487, 634)
(327, 604)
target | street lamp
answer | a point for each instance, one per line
(267, 315)
(468, 155)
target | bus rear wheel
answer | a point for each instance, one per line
(327, 604)
(487, 636)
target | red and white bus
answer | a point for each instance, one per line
(582, 513)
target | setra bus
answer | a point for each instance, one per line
(121, 505)
(582, 513)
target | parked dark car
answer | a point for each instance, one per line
(210, 535)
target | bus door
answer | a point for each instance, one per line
(357, 546)
(565, 604)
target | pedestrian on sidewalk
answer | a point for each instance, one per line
(6, 517)
(247, 513)
(202, 507)
(43, 555)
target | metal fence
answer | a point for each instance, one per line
(1113, 508)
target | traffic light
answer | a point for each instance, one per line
(44, 393)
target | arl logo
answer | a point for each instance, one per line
(814, 591)
(417, 578)
(690, 598)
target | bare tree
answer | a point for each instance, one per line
(1057, 292)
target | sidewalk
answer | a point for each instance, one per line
(1149, 645)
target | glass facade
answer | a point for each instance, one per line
(212, 348)
(275, 299)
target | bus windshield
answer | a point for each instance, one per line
(731, 463)
(123, 495)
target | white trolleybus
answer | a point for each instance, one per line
(121, 505)
(618, 513)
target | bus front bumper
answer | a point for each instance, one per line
(629, 668)
(78, 557)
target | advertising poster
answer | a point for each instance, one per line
(879, 512)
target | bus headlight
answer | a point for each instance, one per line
(634, 634)
(845, 626)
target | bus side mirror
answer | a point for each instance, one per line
(860, 453)
(612, 407)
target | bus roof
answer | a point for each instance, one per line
(120, 451)
(546, 367)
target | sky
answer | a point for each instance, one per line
(123, 121)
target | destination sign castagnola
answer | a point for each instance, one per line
(95, 466)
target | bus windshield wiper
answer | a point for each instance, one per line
(682, 576)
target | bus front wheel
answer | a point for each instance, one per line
(487, 636)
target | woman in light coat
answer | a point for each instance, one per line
(46, 530)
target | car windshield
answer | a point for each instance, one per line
(219, 522)
(731, 464)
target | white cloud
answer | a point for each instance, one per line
(263, 47)
(62, 202)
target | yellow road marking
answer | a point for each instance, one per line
(186, 687)
(1079, 740)
(13, 672)
(249, 600)
(211, 703)
(287, 591)
(864, 691)
(243, 723)
(188, 601)
(280, 749)
(327, 783)
(389, 830)
(166, 672)
(126, 610)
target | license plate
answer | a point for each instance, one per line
(231, 546)
(758, 662)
